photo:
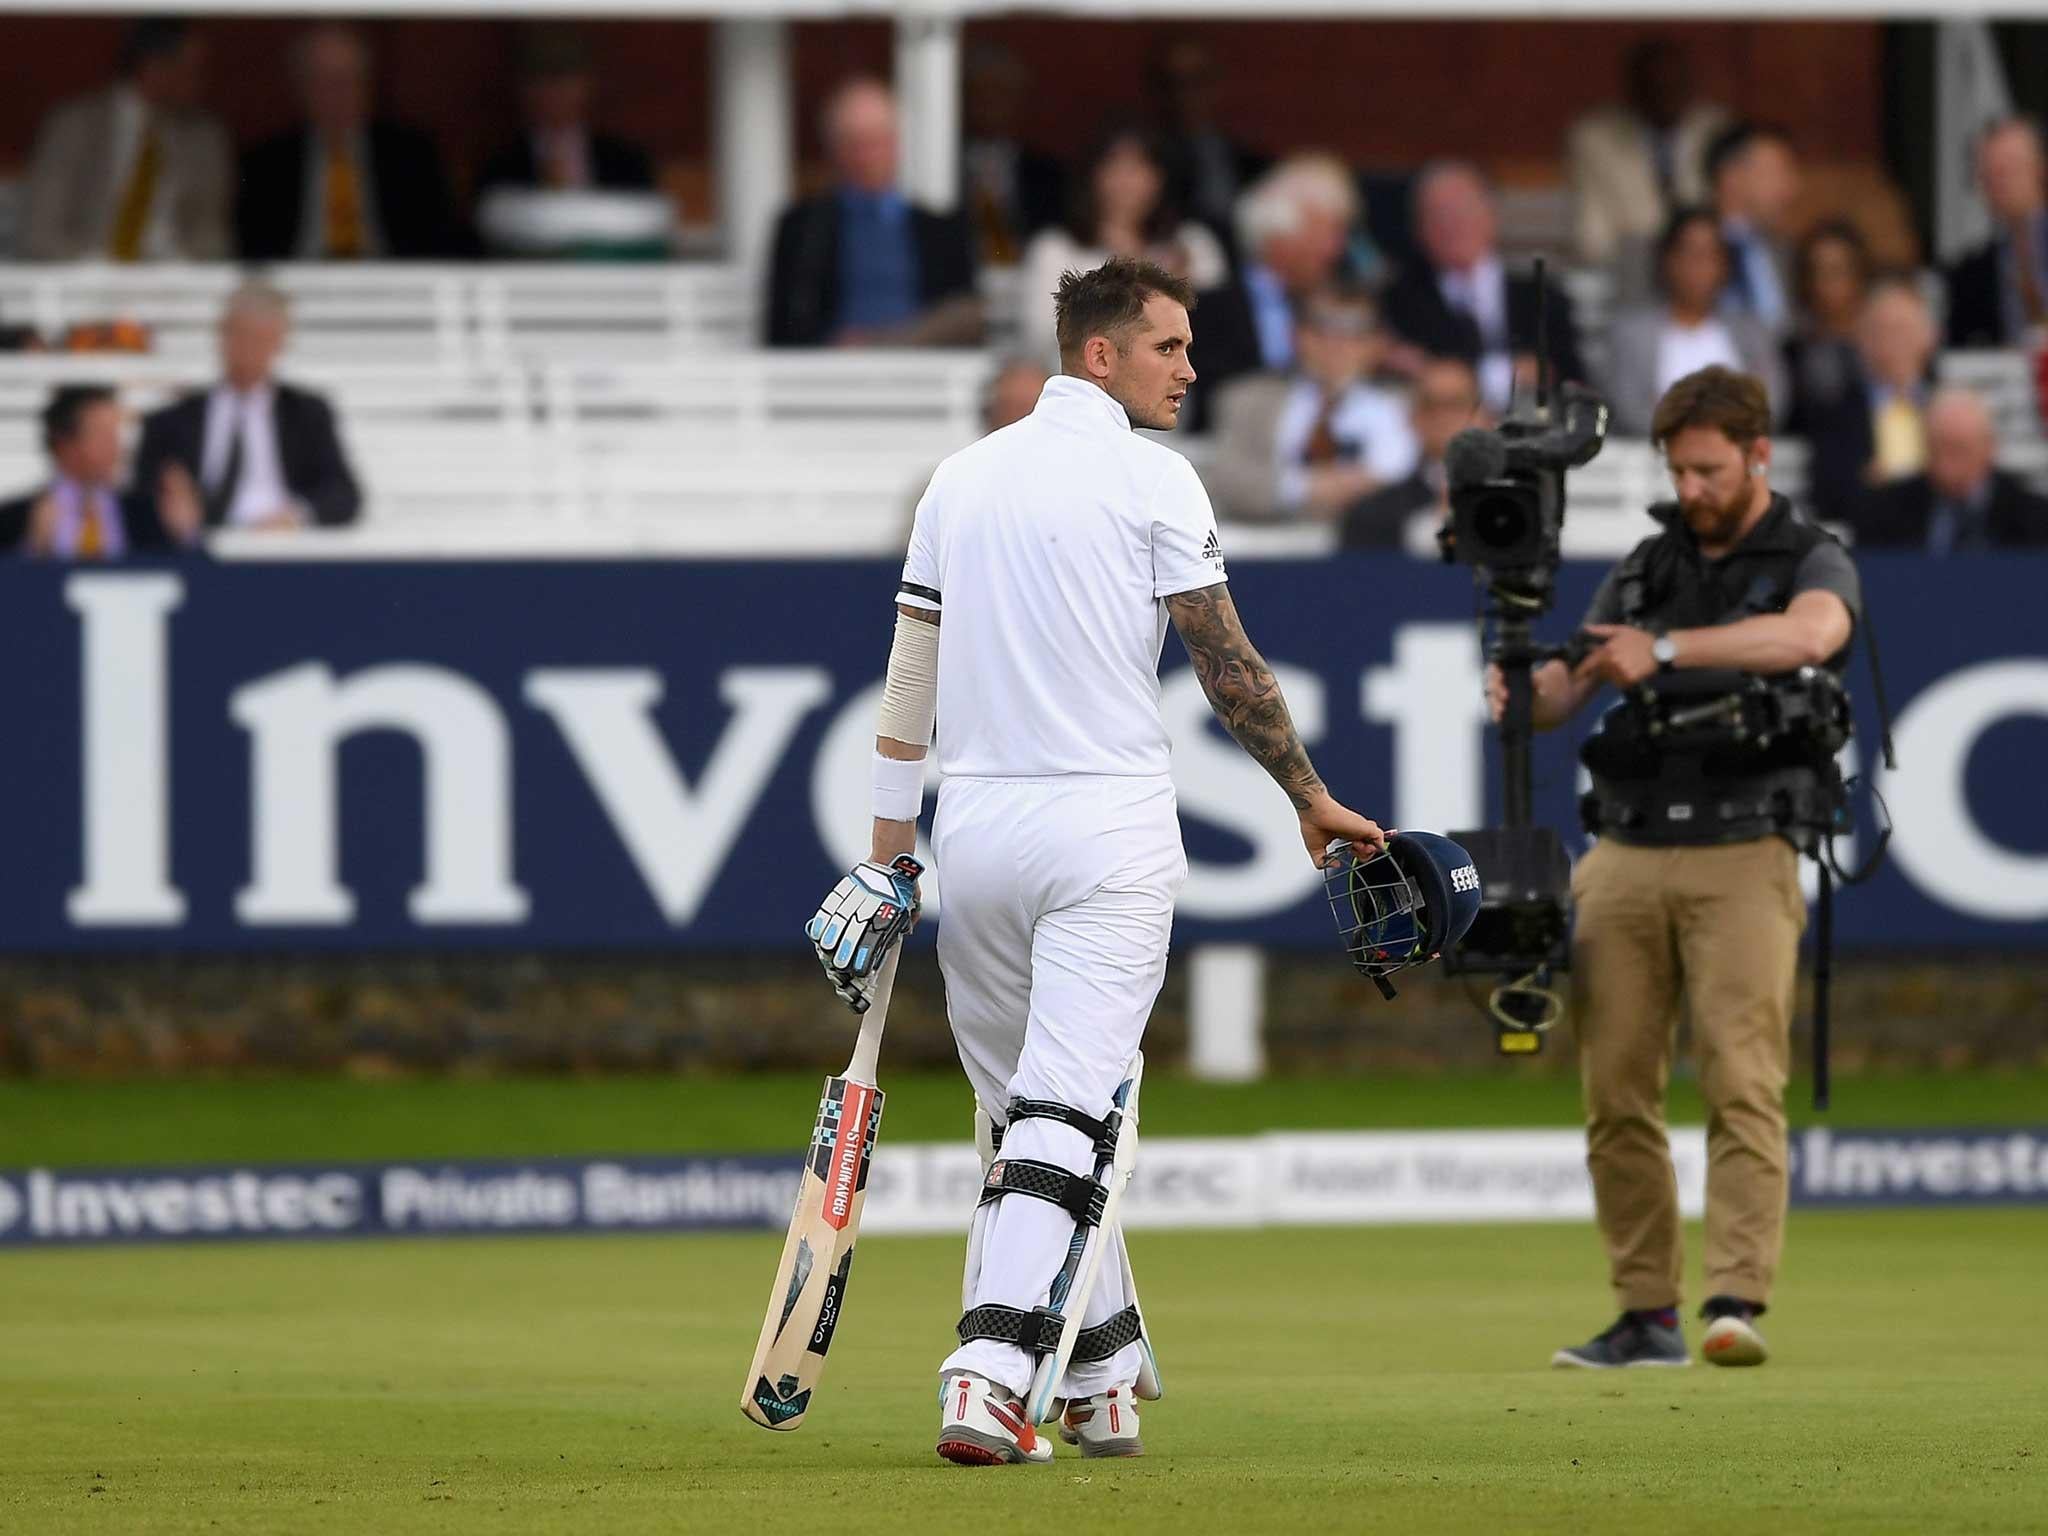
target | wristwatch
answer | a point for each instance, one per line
(1665, 650)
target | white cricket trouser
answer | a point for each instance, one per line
(1059, 907)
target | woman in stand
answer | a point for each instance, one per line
(1831, 280)
(1120, 210)
(1654, 346)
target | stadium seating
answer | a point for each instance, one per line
(582, 408)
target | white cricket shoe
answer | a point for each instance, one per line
(1103, 1425)
(983, 1424)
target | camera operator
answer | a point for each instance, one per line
(1691, 893)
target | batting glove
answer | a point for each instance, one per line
(855, 927)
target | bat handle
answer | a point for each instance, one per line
(867, 1047)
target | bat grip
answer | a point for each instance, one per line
(867, 1046)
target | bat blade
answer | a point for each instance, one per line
(809, 1292)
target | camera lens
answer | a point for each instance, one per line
(1500, 522)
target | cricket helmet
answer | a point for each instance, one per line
(1402, 907)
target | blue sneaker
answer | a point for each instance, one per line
(1637, 1338)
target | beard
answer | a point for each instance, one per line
(1713, 521)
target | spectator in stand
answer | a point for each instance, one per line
(1012, 393)
(1292, 224)
(1877, 431)
(1303, 446)
(1753, 175)
(1443, 403)
(1011, 190)
(82, 514)
(135, 172)
(557, 149)
(1119, 210)
(1629, 165)
(1460, 301)
(1961, 504)
(861, 265)
(343, 186)
(1998, 293)
(265, 454)
(1832, 283)
(1653, 347)
(1207, 170)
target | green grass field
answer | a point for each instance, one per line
(1390, 1379)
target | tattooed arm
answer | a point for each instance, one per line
(1244, 693)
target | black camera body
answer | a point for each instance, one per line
(1507, 493)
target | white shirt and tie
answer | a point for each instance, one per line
(1481, 291)
(259, 490)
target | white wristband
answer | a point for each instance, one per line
(899, 788)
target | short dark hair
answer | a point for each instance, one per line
(1674, 229)
(1110, 300)
(66, 408)
(1084, 217)
(1736, 140)
(150, 39)
(1829, 232)
(1734, 404)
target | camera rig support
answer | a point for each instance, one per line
(1507, 512)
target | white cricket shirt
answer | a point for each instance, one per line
(1049, 547)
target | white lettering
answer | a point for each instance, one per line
(1433, 697)
(298, 719)
(446, 1198)
(1937, 842)
(125, 710)
(678, 838)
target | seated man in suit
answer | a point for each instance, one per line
(1999, 292)
(1445, 401)
(82, 514)
(1306, 444)
(1753, 178)
(265, 455)
(1460, 301)
(1962, 503)
(138, 172)
(558, 150)
(861, 265)
(1876, 430)
(343, 186)
(1292, 224)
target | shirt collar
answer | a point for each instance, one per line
(259, 396)
(1063, 392)
(888, 203)
(78, 493)
(1977, 500)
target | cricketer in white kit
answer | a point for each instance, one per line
(1044, 565)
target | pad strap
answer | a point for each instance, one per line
(1101, 1132)
(1075, 1193)
(1037, 1331)
(1105, 1339)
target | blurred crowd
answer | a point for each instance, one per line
(1337, 355)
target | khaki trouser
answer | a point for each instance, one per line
(1719, 928)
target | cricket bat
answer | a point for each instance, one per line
(809, 1293)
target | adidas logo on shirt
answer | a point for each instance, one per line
(1212, 547)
